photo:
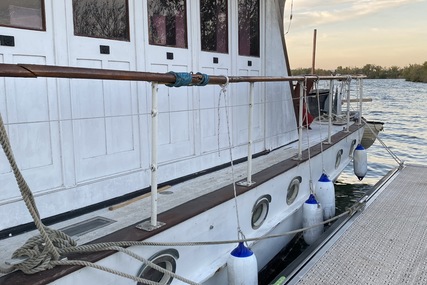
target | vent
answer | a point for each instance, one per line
(87, 226)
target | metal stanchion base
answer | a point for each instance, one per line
(147, 226)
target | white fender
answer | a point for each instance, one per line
(325, 193)
(242, 266)
(312, 214)
(360, 162)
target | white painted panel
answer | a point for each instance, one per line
(281, 127)
(87, 95)
(91, 138)
(31, 144)
(31, 110)
(105, 126)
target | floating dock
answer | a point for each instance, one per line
(386, 243)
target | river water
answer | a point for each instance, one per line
(401, 105)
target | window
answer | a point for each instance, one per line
(338, 158)
(167, 23)
(165, 259)
(26, 14)
(214, 25)
(249, 27)
(293, 189)
(108, 19)
(260, 211)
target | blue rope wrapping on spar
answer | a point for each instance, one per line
(181, 79)
(186, 78)
(204, 81)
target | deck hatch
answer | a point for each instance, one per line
(87, 226)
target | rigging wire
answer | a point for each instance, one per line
(320, 125)
(223, 92)
(290, 17)
(305, 120)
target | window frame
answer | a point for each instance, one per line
(149, 19)
(128, 36)
(227, 45)
(258, 53)
(43, 20)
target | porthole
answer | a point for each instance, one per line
(165, 259)
(293, 190)
(260, 211)
(338, 158)
(352, 147)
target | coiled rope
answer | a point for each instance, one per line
(46, 245)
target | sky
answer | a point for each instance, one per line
(354, 33)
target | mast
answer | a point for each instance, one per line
(314, 52)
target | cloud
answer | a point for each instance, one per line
(318, 12)
(353, 33)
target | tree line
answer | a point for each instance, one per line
(413, 72)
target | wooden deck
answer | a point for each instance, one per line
(386, 243)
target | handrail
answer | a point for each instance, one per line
(34, 70)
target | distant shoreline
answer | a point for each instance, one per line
(413, 72)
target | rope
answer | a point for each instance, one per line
(41, 252)
(181, 79)
(223, 92)
(308, 137)
(349, 211)
(186, 79)
(27, 195)
(38, 257)
(104, 247)
(392, 154)
(320, 132)
(103, 268)
(290, 17)
(204, 79)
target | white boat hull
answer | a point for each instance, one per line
(206, 264)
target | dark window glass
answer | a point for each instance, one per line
(167, 23)
(249, 27)
(214, 25)
(26, 14)
(107, 19)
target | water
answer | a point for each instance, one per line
(401, 106)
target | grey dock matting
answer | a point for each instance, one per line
(386, 244)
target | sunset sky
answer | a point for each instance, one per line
(353, 33)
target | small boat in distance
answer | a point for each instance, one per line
(155, 142)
